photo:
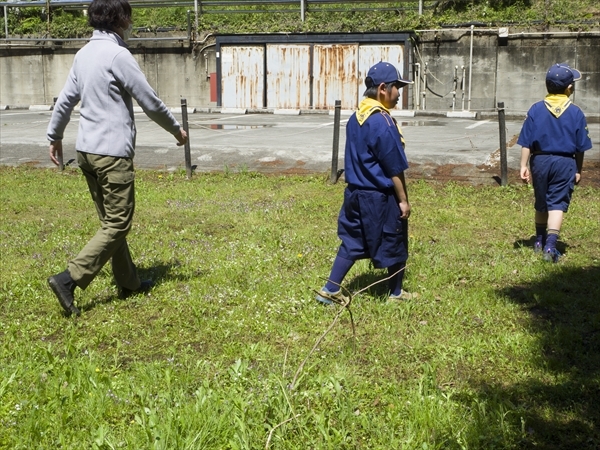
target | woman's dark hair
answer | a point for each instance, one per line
(108, 14)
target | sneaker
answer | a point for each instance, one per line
(403, 296)
(327, 297)
(537, 247)
(63, 287)
(145, 286)
(551, 255)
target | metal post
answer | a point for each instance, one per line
(455, 86)
(5, 22)
(470, 69)
(189, 27)
(417, 89)
(302, 10)
(462, 88)
(420, 7)
(188, 157)
(196, 17)
(503, 161)
(336, 141)
(424, 93)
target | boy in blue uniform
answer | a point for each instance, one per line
(373, 219)
(553, 139)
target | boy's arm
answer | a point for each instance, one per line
(402, 193)
(579, 162)
(525, 175)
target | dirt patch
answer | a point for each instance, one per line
(271, 163)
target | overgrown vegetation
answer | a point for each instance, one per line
(499, 351)
(368, 17)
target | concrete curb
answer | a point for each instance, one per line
(179, 110)
(40, 108)
(234, 111)
(462, 114)
(287, 112)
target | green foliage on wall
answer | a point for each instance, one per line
(369, 17)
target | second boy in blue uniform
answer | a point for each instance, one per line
(373, 219)
(553, 139)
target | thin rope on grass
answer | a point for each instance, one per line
(344, 302)
(277, 426)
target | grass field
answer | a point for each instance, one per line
(500, 350)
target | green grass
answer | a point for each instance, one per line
(500, 350)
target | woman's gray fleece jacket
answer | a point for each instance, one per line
(105, 77)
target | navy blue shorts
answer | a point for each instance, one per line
(553, 181)
(369, 226)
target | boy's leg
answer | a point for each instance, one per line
(555, 219)
(395, 283)
(332, 291)
(339, 270)
(541, 226)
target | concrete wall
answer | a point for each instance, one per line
(511, 70)
(34, 76)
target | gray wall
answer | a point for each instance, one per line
(510, 71)
(34, 76)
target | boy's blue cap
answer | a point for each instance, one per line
(562, 75)
(383, 72)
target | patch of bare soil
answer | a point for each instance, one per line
(489, 174)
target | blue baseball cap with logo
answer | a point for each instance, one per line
(561, 75)
(384, 72)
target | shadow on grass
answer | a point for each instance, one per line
(564, 311)
(157, 273)
(362, 280)
(560, 245)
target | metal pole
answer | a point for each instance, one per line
(503, 161)
(420, 7)
(417, 89)
(302, 9)
(336, 141)
(5, 22)
(189, 26)
(470, 69)
(424, 93)
(196, 14)
(188, 157)
(462, 88)
(455, 86)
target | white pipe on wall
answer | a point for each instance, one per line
(470, 69)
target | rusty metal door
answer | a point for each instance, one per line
(242, 77)
(369, 55)
(288, 76)
(335, 74)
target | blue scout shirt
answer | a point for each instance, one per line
(555, 126)
(374, 148)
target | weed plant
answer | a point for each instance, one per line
(500, 350)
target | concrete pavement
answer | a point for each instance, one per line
(268, 143)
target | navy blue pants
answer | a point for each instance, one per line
(553, 181)
(369, 226)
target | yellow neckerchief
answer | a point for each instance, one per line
(369, 106)
(557, 103)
